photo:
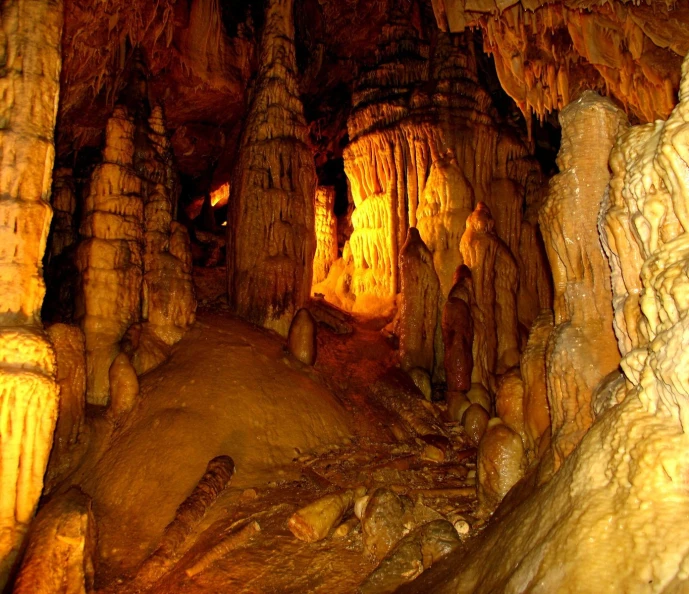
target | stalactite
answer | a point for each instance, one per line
(582, 348)
(271, 238)
(31, 46)
(64, 201)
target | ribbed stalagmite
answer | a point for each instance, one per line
(495, 279)
(458, 332)
(582, 348)
(271, 238)
(110, 257)
(418, 317)
(29, 82)
(326, 233)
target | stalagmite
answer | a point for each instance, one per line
(458, 333)
(385, 521)
(475, 422)
(317, 520)
(582, 347)
(501, 463)
(68, 342)
(110, 257)
(326, 233)
(509, 402)
(64, 201)
(494, 276)
(533, 371)
(419, 295)
(610, 521)
(301, 339)
(31, 50)
(124, 385)
(415, 553)
(61, 550)
(271, 238)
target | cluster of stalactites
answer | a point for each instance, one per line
(547, 53)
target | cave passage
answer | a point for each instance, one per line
(312, 296)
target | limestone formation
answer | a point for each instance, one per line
(326, 233)
(301, 340)
(533, 372)
(475, 422)
(134, 260)
(509, 402)
(458, 333)
(582, 347)
(31, 50)
(59, 558)
(64, 201)
(386, 519)
(68, 342)
(271, 238)
(418, 307)
(110, 255)
(478, 394)
(494, 276)
(501, 463)
(317, 520)
(124, 385)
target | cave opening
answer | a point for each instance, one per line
(307, 296)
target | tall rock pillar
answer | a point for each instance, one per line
(582, 349)
(30, 40)
(271, 237)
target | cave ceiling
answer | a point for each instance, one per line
(201, 55)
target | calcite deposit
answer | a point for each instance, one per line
(31, 55)
(582, 348)
(326, 233)
(271, 235)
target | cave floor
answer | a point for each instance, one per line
(295, 434)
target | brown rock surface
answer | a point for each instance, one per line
(458, 333)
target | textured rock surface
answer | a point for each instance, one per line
(326, 233)
(582, 347)
(458, 333)
(301, 340)
(630, 464)
(61, 543)
(418, 318)
(30, 44)
(271, 237)
(494, 276)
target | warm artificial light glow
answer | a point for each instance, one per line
(220, 196)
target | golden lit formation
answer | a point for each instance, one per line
(351, 297)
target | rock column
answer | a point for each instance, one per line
(271, 238)
(30, 46)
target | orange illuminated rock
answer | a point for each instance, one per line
(582, 347)
(475, 422)
(124, 385)
(418, 317)
(495, 277)
(509, 402)
(458, 333)
(31, 48)
(301, 339)
(68, 342)
(60, 554)
(533, 371)
(326, 233)
(501, 463)
(64, 201)
(271, 238)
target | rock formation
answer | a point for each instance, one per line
(458, 333)
(271, 238)
(134, 261)
(418, 307)
(326, 233)
(31, 46)
(301, 340)
(494, 277)
(64, 201)
(582, 349)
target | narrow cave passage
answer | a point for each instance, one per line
(321, 297)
